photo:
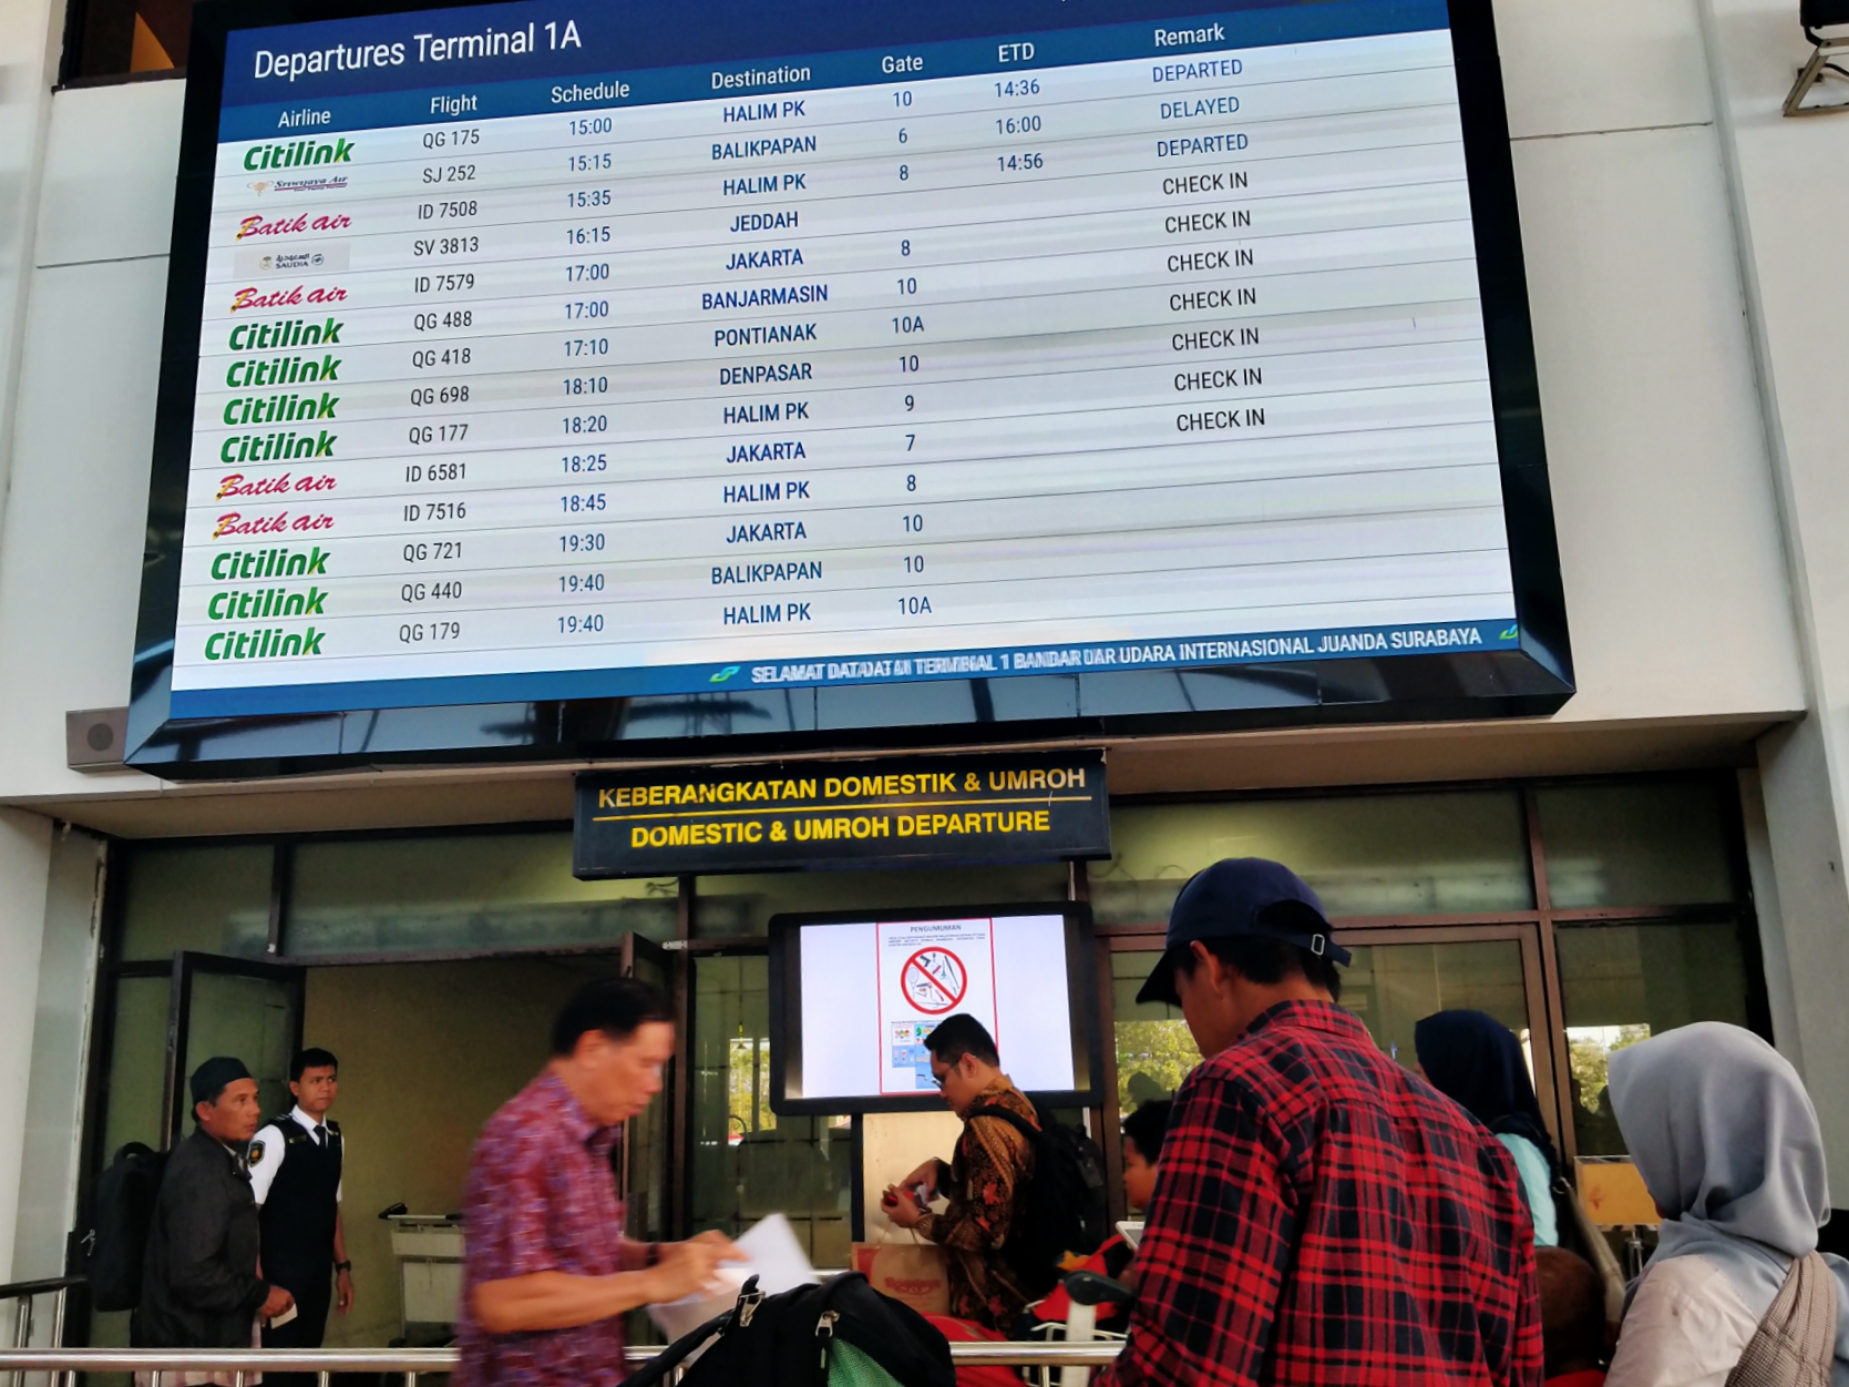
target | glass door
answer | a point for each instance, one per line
(1399, 975)
(646, 1173)
(229, 1006)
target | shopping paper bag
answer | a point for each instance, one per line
(911, 1273)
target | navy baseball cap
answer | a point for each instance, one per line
(1242, 896)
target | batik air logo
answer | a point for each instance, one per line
(250, 296)
(251, 227)
(299, 154)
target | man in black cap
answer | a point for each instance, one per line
(199, 1286)
(1323, 1215)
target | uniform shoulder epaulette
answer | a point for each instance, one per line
(332, 1126)
(292, 1131)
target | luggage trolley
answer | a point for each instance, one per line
(429, 1252)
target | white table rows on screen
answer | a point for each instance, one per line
(1365, 174)
(686, 364)
(1442, 400)
(1431, 517)
(1121, 131)
(379, 381)
(1090, 478)
(1347, 564)
(851, 467)
(825, 109)
(1288, 515)
(535, 560)
(891, 193)
(532, 257)
(1410, 590)
(1309, 393)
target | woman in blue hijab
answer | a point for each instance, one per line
(1476, 1062)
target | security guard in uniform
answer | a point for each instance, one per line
(295, 1168)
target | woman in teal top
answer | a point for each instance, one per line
(1476, 1061)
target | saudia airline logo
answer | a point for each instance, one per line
(295, 154)
(252, 297)
(291, 226)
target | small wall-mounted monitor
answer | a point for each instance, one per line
(854, 995)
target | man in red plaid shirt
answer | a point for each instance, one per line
(1322, 1216)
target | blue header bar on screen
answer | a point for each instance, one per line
(536, 56)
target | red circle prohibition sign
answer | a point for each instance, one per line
(934, 979)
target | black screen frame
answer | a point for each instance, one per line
(786, 1007)
(1534, 681)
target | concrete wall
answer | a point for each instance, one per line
(1674, 565)
(25, 871)
(50, 1159)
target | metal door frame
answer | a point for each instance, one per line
(187, 966)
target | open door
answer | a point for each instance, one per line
(229, 1006)
(646, 1174)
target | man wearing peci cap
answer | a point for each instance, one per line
(199, 1285)
(1322, 1216)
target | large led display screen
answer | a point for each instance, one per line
(555, 350)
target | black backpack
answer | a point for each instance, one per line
(1067, 1211)
(125, 1198)
(798, 1338)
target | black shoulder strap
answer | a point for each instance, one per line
(1013, 1119)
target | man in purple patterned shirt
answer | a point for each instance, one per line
(549, 1273)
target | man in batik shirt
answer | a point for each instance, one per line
(986, 1182)
(548, 1272)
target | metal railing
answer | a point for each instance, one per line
(24, 1295)
(63, 1364)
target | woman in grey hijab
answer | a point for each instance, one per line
(1728, 1145)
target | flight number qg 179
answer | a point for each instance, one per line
(418, 632)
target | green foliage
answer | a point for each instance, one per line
(1153, 1057)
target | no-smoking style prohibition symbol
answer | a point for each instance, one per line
(934, 980)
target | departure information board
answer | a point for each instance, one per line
(560, 350)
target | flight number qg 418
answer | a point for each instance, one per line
(426, 357)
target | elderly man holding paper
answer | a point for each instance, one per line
(548, 1273)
